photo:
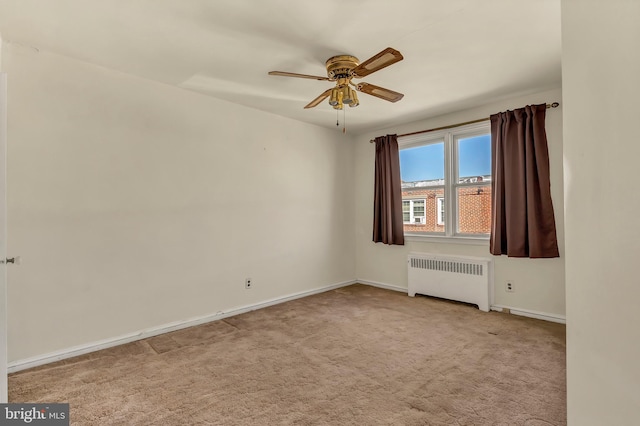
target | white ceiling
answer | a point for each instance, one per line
(457, 53)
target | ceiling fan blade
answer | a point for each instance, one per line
(292, 74)
(383, 59)
(379, 92)
(319, 99)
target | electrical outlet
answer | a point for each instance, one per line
(247, 283)
(509, 287)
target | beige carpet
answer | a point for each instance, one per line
(353, 356)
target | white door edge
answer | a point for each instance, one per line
(3, 238)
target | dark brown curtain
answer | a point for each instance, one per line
(522, 223)
(387, 200)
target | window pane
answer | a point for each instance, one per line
(440, 211)
(406, 214)
(474, 159)
(422, 172)
(418, 208)
(474, 209)
(422, 165)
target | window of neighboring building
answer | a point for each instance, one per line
(440, 211)
(413, 211)
(446, 180)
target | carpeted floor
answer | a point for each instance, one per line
(358, 355)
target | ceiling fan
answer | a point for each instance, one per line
(342, 69)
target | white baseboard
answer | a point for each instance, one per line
(36, 361)
(531, 314)
(515, 311)
(383, 285)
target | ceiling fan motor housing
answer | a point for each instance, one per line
(341, 66)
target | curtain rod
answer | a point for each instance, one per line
(553, 105)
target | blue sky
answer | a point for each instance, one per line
(427, 162)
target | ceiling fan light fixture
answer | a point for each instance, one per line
(333, 100)
(354, 97)
(346, 95)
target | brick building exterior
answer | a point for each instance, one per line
(423, 213)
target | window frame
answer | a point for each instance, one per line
(450, 138)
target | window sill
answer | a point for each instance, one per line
(477, 241)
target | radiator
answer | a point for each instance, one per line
(465, 279)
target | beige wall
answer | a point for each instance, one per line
(134, 204)
(539, 283)
(601, 91)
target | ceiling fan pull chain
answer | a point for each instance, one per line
(337, 117)
(344, 121)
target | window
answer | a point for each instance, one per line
(446, 181)
(413, 211)
(440, 211)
